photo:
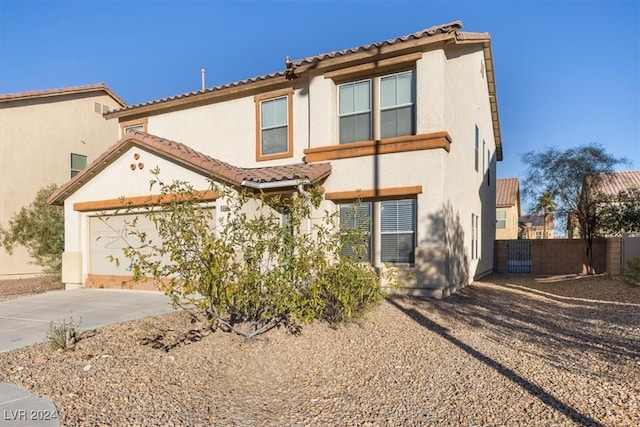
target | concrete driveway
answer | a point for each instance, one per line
(25, 321)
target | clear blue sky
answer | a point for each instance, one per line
(567, 72)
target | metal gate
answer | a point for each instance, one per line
(630, 247)
(519, 256)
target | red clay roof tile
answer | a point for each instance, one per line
(451, 27)
(61, 91)
(194, 160)
(507, 192)
(613, 183)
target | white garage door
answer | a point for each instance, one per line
(107, 238)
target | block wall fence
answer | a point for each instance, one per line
(565, 256)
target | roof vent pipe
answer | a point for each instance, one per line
(202, 74)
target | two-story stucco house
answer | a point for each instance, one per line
(46, 137)
(409, 125)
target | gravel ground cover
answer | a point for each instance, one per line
(15, 288)
(508, 350)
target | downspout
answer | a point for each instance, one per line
(304, 193)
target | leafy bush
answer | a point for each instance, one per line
(631, 273)
(64, 335)
(38, 227)
(267, 261)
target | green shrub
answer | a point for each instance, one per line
(38, 227)
(269, 260)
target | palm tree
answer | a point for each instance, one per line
(546, 204)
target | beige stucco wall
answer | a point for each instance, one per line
(511, 230)
(466, 104)
(37, 137)
(227, 130)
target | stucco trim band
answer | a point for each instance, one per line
(374, 193)
(140, 201)
(425, 141)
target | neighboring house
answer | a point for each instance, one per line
(532, 226)
(46, 137)
(507, 208)
(604, 186)
(408, 125)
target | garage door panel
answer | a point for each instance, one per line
(109, 236)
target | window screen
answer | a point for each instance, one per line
(78, 162)
(501, 219)
(396, 105)
(355, 112)
(273, 125)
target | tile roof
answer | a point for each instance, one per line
(613, 183)
(452, 27)
(449, 31)
(17, 96)
(507, 192)
(193, 160)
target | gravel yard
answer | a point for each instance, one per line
(10, 289)
(505, 351)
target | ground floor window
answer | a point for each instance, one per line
(389, 225)
(357, 216)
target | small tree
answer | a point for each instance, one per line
(619, 214)
(258, 267)
(562, 174)
(546, 205)
(38, 227)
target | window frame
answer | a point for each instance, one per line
(396, 107)
(258, 100)
(477, 143)
(358, 222)
(75, 171)
(498, 220)
(398, 232)
(375, 105)
(375, 250)
(125, 127)
(355, 113)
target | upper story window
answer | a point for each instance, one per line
(489, 169)
(78, 162)
(135, 125)
(477, 143)
(139, 128)
(394, 116)
(355, 112)
(274, 113)
(396, 105)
